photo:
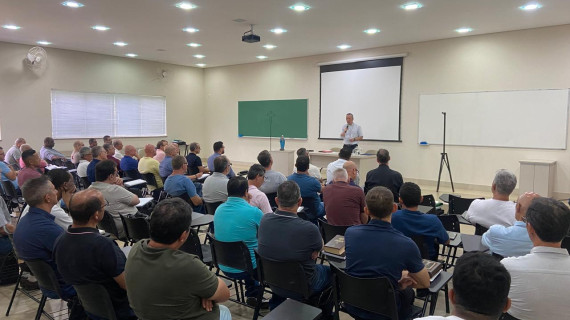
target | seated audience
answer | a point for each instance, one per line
(121, 200)
(189, 290)
(25, 147)
(32, 167)
(540, 280)
(216, 186)
(84, 256)
(65, 186)
(498, 210)
(179, 185)
(352, 171)
(107, 139)
(194, 162)
(377, 249)
(37, 232)
(344, 203)
(48, 153)
(129, 161)
(110, 154)
(148, 164)
(99, 154)
(93, 142)
(255, 178)
(7, 172)
(283, 236)
(511, 241)
(343, 156)
(310, 187)
(13, 154)
(118, 144)
(384, 176)
(219, 149)
(77, 145)
(480, 288)
(272, 178)
(412, 222)
(237, 220)
(165, 167)
(85, 157)
(314, 171)
(159, 156)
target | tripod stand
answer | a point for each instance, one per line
(444, 158)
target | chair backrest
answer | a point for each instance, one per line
(271, 198)
(96, 300)
(288, 276)
(328, 231)
(108, 224)
(458, 205)
(371, 294)
(450, 222)
(212, 206)
(566, 243)
(136, 228)
(45, 275)
(9, 189)
(422, 245)
(150, 179)
(192, 245)
(479, 229)
(133, 174)
(310, 205)
(85, 182)
(231, 254)
(429, 201)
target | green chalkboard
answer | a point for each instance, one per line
(281, 117)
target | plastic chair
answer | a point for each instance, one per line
(566, 243)
(133, 174)
(46, 280)
(108, 224)
(328, 231)
(12, 196)
(136, 228)
(458, 205)
(271, 197)
(450, 222)
(375, 295)
(193, 246)
(479, 229)
(212, 206)
(151, 181)
(85, 182)
(310, 207)
(96, 300)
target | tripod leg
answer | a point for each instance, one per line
(449, 170)
(440, 168)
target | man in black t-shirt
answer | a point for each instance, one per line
(194, 162)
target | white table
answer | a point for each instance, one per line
(364, 163)
(283, 161)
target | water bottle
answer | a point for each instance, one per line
(282, 143)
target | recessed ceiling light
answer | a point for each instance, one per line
(411, 6)
(372, 31)
(199, 56)
(463, 30)
(300, 7)
(201, 65)
(120, 43)
(344, 46)
(194, 45)
(100, 28)
(44, 43)
(72, 4)
(531, 6)
(185, 5)
(278, 30)
(269, 46)
(131, 55)
(261, 57)
(11, 27)
(190, 30)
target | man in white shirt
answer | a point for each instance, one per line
(85, 157)
(351, 133)
(480, 288)
(118, 144)
(343, 156)
(511, 241)
(13, 154)
(540, 280)
(498, 210)
(255, 178)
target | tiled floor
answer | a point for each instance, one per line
(24, 308)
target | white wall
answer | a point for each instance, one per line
(518, 60)
(25, 108)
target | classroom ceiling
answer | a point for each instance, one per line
(153, 28)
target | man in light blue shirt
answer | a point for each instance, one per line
(511, 241)
(219, 149)
(237, 220)
(351, 133)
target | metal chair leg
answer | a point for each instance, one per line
(14, 293)
(41, 307)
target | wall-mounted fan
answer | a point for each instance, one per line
(36, 58)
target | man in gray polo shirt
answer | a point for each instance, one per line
(216, 186)
(272, 178)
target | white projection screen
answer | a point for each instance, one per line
(370, 90)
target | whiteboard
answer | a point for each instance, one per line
(371, 95)
(519, 119)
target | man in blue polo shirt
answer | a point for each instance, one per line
(180, 185)
(36, 233)
(377, 249)
(165, 168)
(237, 220)
(128, 161)
(310, 187)
(99, 154)
(412, 222)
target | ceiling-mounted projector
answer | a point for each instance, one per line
(250, 37)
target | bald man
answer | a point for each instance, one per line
(352, 172)
(511, 241)
(149, 165)
(129, 161)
